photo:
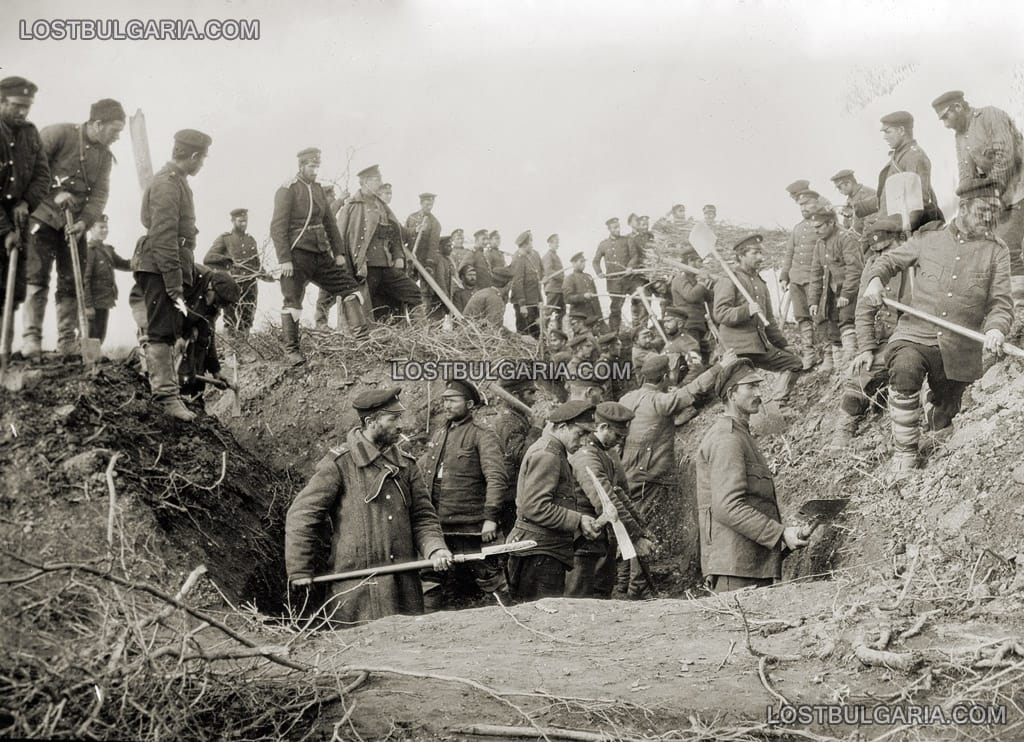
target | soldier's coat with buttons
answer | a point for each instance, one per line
(169, 216)
(648, 454)
(78, 166)
(910, 158)
(737, 329)
(358, 222)
(575, 285)
(875, 325)
(526, 271)
(471, 487)
(24, 171)
(303, 220)
(553, 272)
(960, 279)
(864, 202)
(800, 247)
(616, 253)
(740, 524)
(837, 262)
(380, 514)
(235, 253)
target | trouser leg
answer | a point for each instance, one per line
(98, 324)
(579, 582)
(535, 577)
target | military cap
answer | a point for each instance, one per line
(194, 139)
(655, 365)
(309, 154)
(370, 172)
(463, 388)
(807, 193)
(520, 383)
(480, 233)
(883, 229)
(611, 221)
(577, 256)
(607, 339)
(710, 207)
(841, 175)
(796, 187)
(678, 206)
(467, 265)
(821, 215)
(747, 243)
(676, 312)
(427, 196)
(558, 334)
(493, 233)
(944, 101)
(580, 339)
(226, 288)
(614, 414)
(501, 276)
(17, 87)
(239, 212)
(578, 314)
(103, 219)
(552, 236)
(523, 238)
(977, 188)
(577, 411)
(897, 118)
(458, 230)
(731, 376)
(107, 109)
(377, 400)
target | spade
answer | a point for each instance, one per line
(820, 511)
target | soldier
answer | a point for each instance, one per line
(648, 453)
(684, 359)
(609, 349)
(164, 263)
(963, 276)
(489, 304)
(427, 246)
(557, 346)
(869, 378)
(24, 179)
(495, 257)
(584, 350)
(554, 272)
(385, 193)
(468, 279)
(372, 238)
(526, 270)
(618, 260)
(515, 432)
(693, 295)
(99, 283)
(742, 537)
(644, 346)
(442, 273)
(588, 389)
(373, 496)
(989, 143)
(710, 214)
(906, 156)
(742, 331)
(639, 241)
(479, 260)
(236, 252)
(546, 506)
(593, 571)
(797, 187)
(80, 161)
(861, 201)
(796, 271)
(459, 252)
(832, 292)
(580, 291)
(211, 290)
(465, 477)
(310, 250)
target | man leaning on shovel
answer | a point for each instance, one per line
(963, 277)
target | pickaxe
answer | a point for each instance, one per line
(91, 352)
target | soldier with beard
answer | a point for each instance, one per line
(616, 254)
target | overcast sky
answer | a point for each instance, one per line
(550, 116)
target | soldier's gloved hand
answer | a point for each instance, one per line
(489, 532)
(841, 302)
(20, 214)
(873, 292)
(441, 558)
(643, 547)
(11, 241)
(994, 341)
(863, 361)
(287, 269)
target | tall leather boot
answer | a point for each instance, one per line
(809, 355)
(67, 326)
(784, 383)
(354, 316)
(163, 380)
(905, 413)
(849, 348)
(33, 311)
(828, 359)
(290, 330)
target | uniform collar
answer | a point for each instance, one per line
(737, 423)
(463, 421)
(365, 452)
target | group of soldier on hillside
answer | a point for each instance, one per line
(605, 455)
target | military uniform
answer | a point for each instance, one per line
(199, 357)
(908, 157)
(796, 268)
(575, 285)
(428, 253)
(380, 514)
(489, 304)
(80, 167)
(835, 270)
(24, 180)
(526, 270)
(552, 271)
(863, 202)
(465, 478)
(478, 259)
(694, 299)
(239, 255)
(99, 284)
(617, 255)
(515, 433)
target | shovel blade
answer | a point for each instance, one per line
(903, 194)
(702, 239)
(824, 510)
(91, 351)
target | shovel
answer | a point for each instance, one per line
(820, 511)
(703, 241)
(12, 380)
(903, 195)
(91, 353)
